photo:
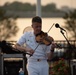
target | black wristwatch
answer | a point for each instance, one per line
(52, 50)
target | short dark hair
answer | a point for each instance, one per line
(37, 19)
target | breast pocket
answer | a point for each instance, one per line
(30, 43)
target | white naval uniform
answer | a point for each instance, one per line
(37, 63)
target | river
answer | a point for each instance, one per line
(46, 25)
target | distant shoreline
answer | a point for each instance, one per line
(30, 14)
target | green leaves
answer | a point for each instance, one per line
(70, 23)
(60, 67)
(8, 26)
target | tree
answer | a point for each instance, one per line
(8, 26)
(49, 7)
(70, 22)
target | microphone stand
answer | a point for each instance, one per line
(70, 48)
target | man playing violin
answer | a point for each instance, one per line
(40, 52)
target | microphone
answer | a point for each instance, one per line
(57, 26)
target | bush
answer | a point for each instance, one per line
(60, 68)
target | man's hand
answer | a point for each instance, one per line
(29, 50)
(53, 45)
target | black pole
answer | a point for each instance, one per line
(1, 63)
(25, 63)
(70, 49)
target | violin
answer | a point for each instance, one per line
(43, 38)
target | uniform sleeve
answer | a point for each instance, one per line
(22, 39)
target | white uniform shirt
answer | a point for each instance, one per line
(40, 51)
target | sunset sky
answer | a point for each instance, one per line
(59, 3)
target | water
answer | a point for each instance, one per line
(46, 25)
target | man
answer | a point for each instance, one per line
(36, 63)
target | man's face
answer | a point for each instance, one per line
(36, 27)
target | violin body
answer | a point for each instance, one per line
(43, 38)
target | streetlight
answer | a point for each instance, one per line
(38, 8)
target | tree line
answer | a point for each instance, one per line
(18, 6)
(29, 10)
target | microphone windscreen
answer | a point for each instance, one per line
(57, 25)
